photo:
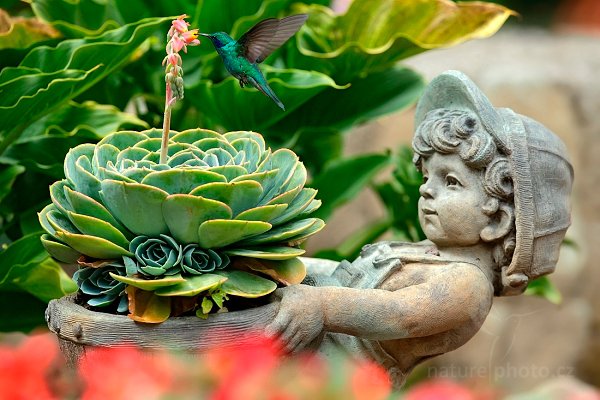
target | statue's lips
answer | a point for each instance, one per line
(428, 211)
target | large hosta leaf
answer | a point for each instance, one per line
(26, 267)
(368, 97)
(343, 179)
(374, 34)
(20, 33)
(235, 109)
(49, 77)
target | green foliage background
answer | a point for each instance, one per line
(70, 70)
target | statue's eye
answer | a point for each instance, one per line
(452, 181)
(425, 179)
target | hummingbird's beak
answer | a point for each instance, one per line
(205, 35)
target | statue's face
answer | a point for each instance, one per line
(451, 203)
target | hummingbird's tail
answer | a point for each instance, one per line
(266, 89)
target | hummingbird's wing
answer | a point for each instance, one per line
(266, 36)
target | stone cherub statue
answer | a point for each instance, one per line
(495, 205)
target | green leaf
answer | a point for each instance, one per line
(80, 18)
(350, 248)
(92, 246)
(192, 285)
(26, 312)
(59, 251)
(85, 205)
(262, 213)
(49, 77)
(286, 232)
(343, 179)
(7, 178)
(181, 181)
(375, 34)
(137, 206)
(22, 33)
(267, 252)
(400, 195)
(185, 213)
(379, 93)
(238, 195)
(543, 287)
(219, 100)
(206, 305)
(25, 266)
(288, 272)
(244, 284)
(147, 307)
(88, 119)
(96, 227)
(149, 284)
(221, 232)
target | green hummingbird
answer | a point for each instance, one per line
(241, 57)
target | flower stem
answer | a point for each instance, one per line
(166, 126)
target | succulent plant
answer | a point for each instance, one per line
(217, 197)
(100, 286)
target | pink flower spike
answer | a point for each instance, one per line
(180, 25)
(178, 43)
(190, 36)
(174, 59)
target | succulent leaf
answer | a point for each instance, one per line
(147, 307)
(96, 227)
(244, 284)
(218, 233)
(132, 203)
(284, 232)
(82, 204)
(59, 251)
(92, 246)
(262, 213)
(239, 196)
(157, 256)
(267, 253)
(184, 213)
(197, 261)
(193, 286)
(182, 181)
(100, 284)
(288, 272)
(57, 195)
(149, 284)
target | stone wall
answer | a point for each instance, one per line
(554, 79)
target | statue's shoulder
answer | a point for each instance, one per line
(396, 249)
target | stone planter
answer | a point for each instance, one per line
(78, 329)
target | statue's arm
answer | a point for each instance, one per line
(443, 302)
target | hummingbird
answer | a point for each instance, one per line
(241, 57)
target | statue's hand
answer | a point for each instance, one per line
(299, 323)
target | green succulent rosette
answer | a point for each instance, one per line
(101, 288)
(220, 202)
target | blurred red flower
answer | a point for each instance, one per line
(370, 381)
(439, 389)
(126, 373)
(24, 369)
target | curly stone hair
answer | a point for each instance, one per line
(460, 132)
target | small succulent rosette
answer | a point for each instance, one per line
(223, 216)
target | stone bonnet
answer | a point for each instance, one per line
(541, 172)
